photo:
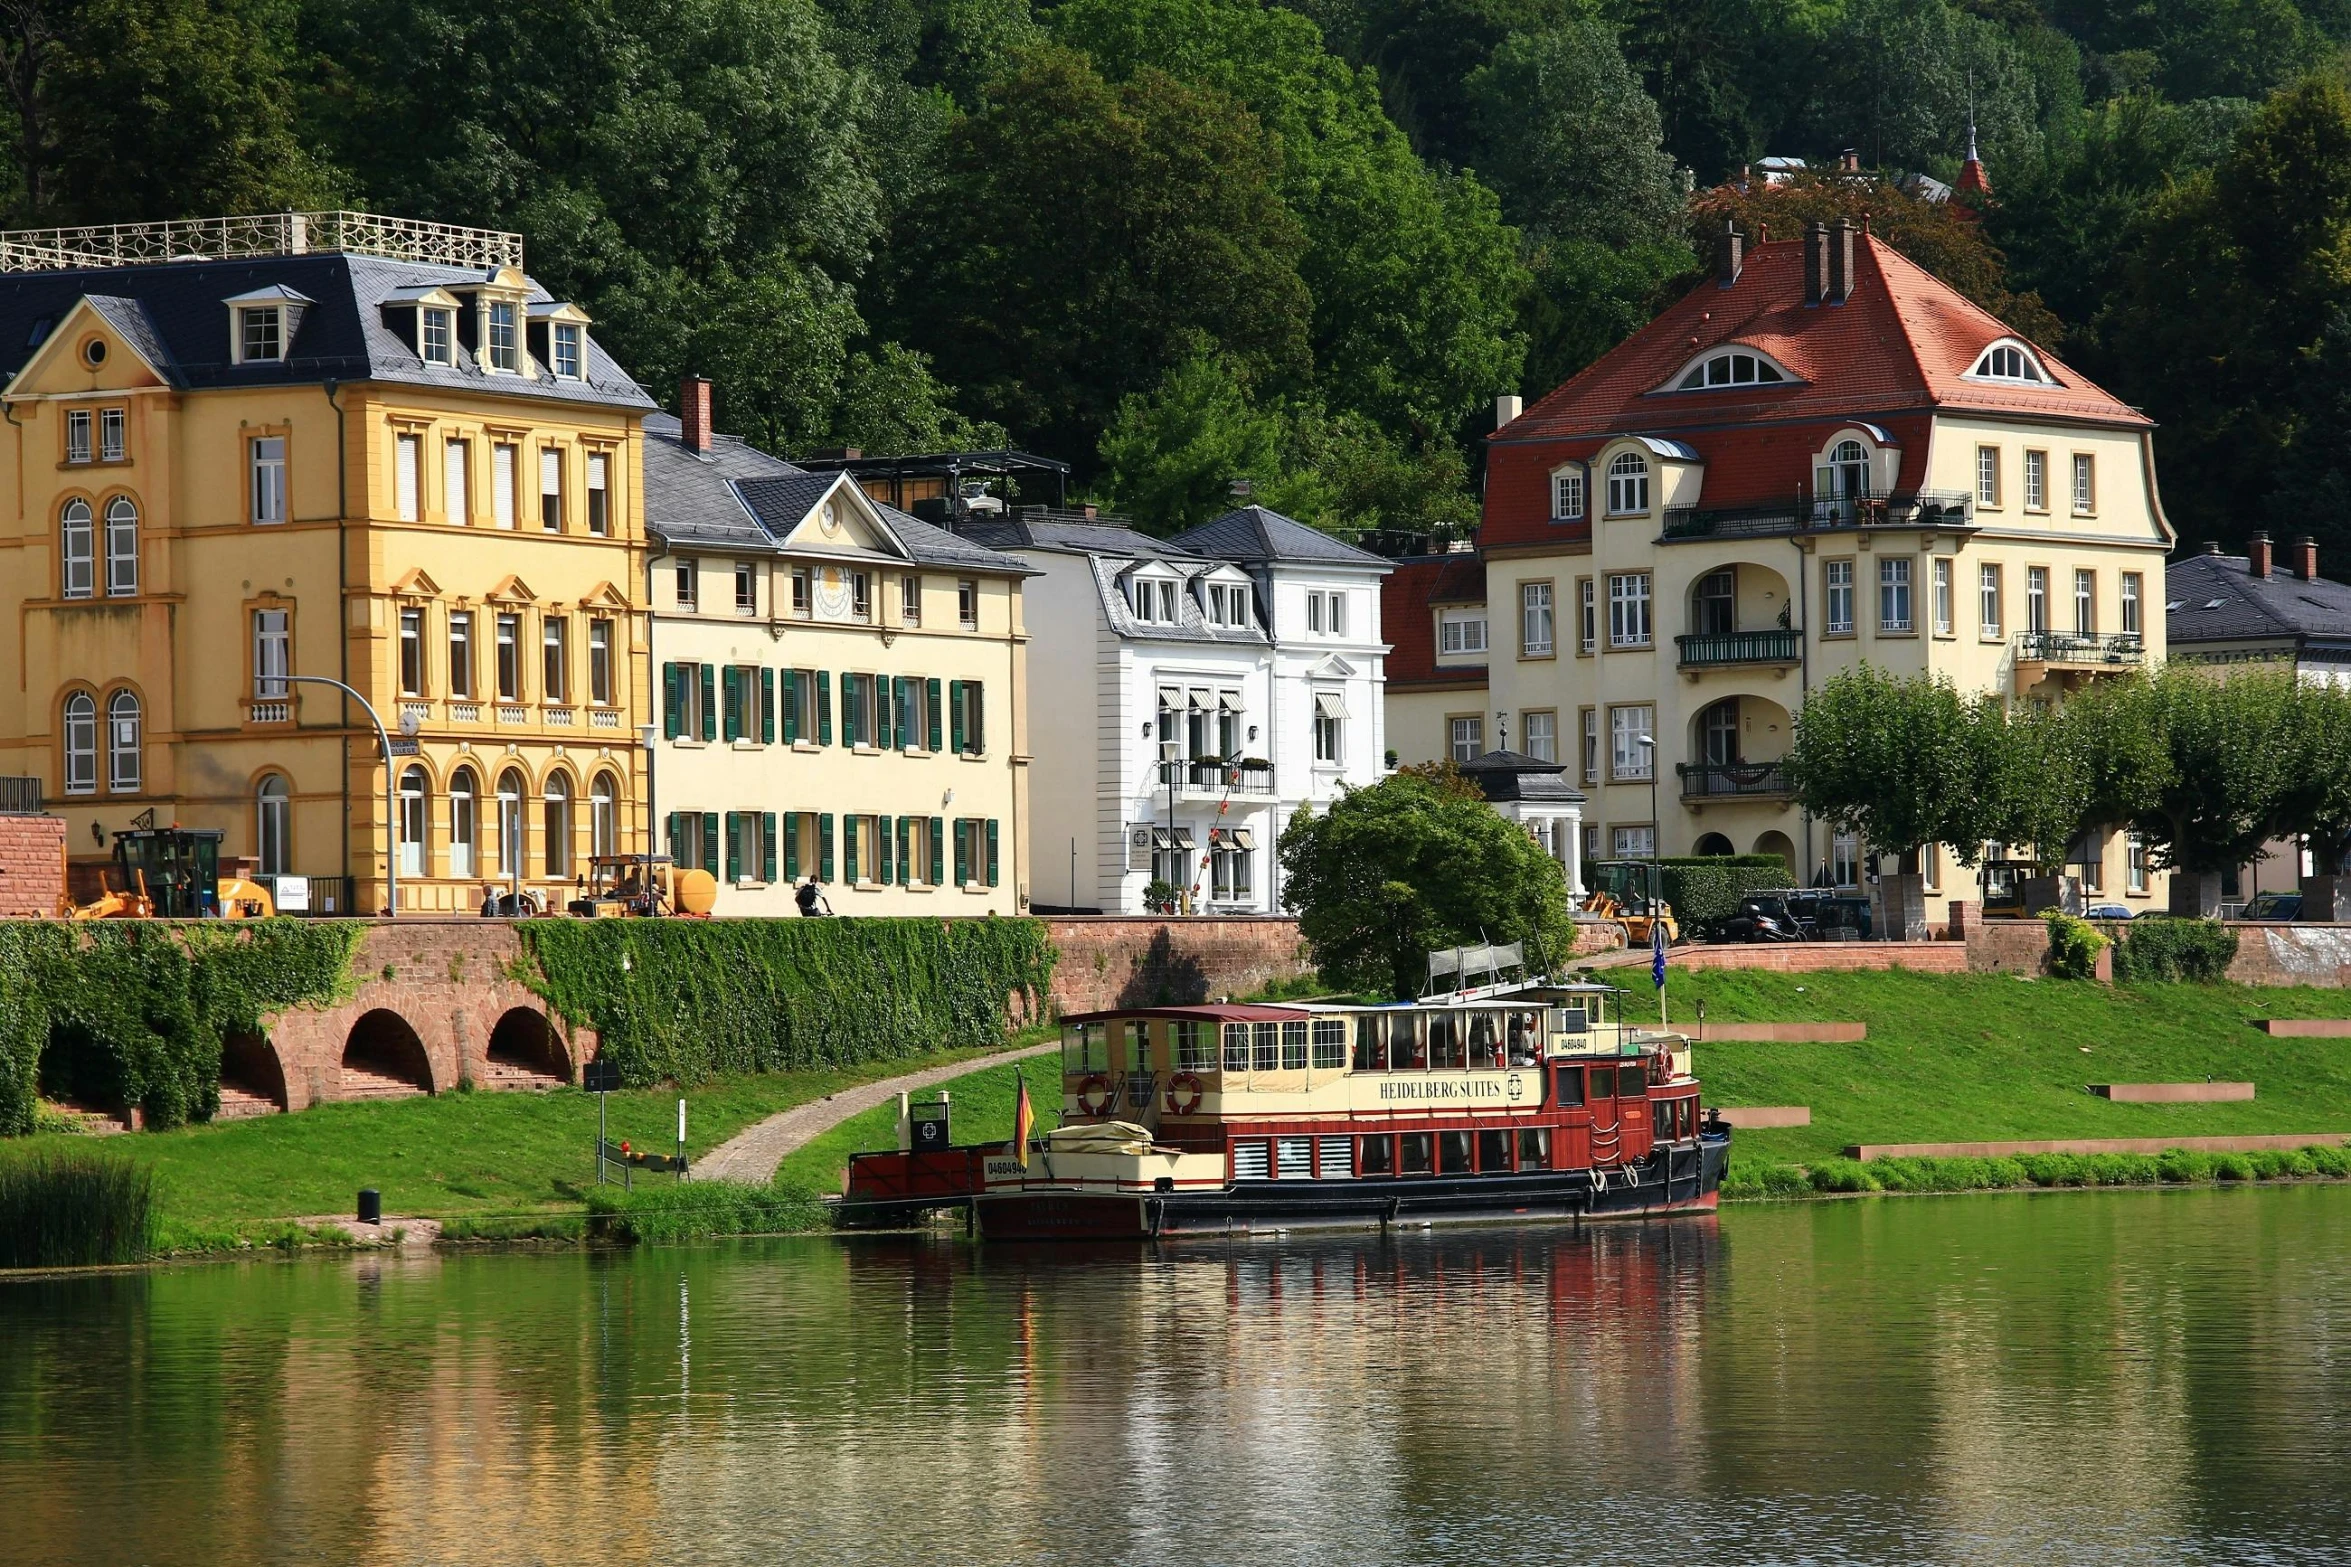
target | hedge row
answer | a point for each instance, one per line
(1705, 889)
(2161, 948)
(2174, 1166)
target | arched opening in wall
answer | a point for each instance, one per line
(1778, 843)
(252, 1082)
(1713, 843)
(383, 1059)
(526, 1051)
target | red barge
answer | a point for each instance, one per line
(1513, 1101)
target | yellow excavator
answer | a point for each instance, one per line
(1630, 892)
(173, 873)
(643, 885)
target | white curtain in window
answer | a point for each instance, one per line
(77, 551)
(464, 821)
(81, 743)
(412, 822)
(557, 810)
(603, 816)
(122, 742)
(408, 475)
(502, 477)
(456, 482)
(273, 825)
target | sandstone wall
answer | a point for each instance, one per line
(32, 865)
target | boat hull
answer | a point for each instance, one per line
(1682, 1179)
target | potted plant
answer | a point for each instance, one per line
(1161, 895)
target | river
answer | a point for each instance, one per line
(2159, 1377)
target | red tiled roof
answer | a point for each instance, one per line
(1406, 595)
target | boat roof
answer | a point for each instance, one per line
(1221, 1012)
(1266, 1012)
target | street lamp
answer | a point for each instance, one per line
(391, 822)
(1656, 824)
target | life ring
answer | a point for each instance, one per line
(1097, 1084)
(1183, 1094)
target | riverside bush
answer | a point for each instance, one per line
(1707, 889)
(72, 1206)
(671, 1211)
(2174, 1166)
(2074, 945)
(2162, 948)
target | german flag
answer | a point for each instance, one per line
(1024, 1121)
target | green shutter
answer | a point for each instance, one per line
(767, 846)
(962, 851)
(734, 858)
(849, 851)
(670, 826)
(793, 687)
(792, 845)
(673, 701)
(975, 739)
(955, 713)
(767, 709)
(883, 712)
(732, 711)
(885, 863)
(931, 695)
(709, 702)
(824, 710)
(938, 848)
(906, 867)
(991, 851)
(824, 846)
(710, 838)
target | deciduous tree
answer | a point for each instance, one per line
(1892, 760)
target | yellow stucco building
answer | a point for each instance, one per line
(326, 444)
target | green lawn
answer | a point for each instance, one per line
(981, 1106)
(1985, 1057)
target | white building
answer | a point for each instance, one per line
(1186, 697)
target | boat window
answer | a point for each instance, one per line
(1571, 1085)
(1525, 1038)
(1294, 1047)
(1604, 1082)
(1138, 1047)
(1236, 1047)
(1330, 1043)
(1294, 1158)
(1445, 1047)
(1632, 1081)
(1191, 1048)
(1570, 1020)
(1265, 1051)
(1453, 1153)
(1379, 1156)
(1250, 1161)
(1494, 1151)
(1371, 1044)
(1404, 1048)
(1485, 1041)
(1334, 1158)
(1085, 1047)
(1412, 1153)
(1534, 1147)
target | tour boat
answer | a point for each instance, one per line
(1513, 1100)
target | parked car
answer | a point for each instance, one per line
(2107, 911)
(2273, 906)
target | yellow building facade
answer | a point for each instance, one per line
(341, 446)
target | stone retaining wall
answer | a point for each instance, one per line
(1136, 960)
(1813, 957)
(32, 865)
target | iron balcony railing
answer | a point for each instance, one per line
(1717, 780)
(20, 796)
(1706, 648)
(1210, 776)
(2120, 649)
(258, 234)
(1805, 513)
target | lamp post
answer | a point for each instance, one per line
(1656, 824)
(391, 821)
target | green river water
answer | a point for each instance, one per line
(2158, 1377)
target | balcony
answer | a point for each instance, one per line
(20, 796)
(2070, 658)
(1734, 781)
(1721, 649)
(1803, 513)
(1208, 776)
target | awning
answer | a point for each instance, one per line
(1171, 696)
(1217, 836)
(1183, 839)
(1202, 699)
(1330, 704)
(1161, 838)
(1244, 837)
(1228, 701)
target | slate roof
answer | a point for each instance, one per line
(1027, 530)
(2250, 608)
(1514, 775)
(1256, 536)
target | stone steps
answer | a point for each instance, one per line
(242, 1104)
(515, 1076)
(95, 1122)
(360, 1082)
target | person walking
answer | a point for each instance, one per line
(812, 902)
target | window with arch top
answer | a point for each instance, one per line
(556, 809)
(603, 816)
(273, 824)
(2009, 362)
(1730, 369)
(123, 743)
(81, 743)
(122, 547)
(1628, 484)
(77, 551)
(413, 815)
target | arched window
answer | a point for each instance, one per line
(122, 742)
(557, 818)
(122, 547)
(1731, 369)
(603, 816)
(412, 821)
(273, 824)
(1628, 484)
(81, 743)
(2009, 362)
(76, 551)
(510, 796)
(465, 822)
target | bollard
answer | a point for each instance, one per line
(371, 1205)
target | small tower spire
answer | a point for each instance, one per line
(1972, 179)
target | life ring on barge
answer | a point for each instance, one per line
(1183, 1094)
(1087, 1090)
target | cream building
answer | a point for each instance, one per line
(334, 444)
(841, 688)
(1823, 457)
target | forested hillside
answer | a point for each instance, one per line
(1179, 241)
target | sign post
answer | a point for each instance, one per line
(681, 1164)
(601, 1078)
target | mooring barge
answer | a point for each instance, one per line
(1513, 1100)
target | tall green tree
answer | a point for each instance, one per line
(1171, 455)
(1892, 760)
(1410, 865)
(2229, 756)
(1571, 142)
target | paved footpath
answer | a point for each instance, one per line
(751, 1155)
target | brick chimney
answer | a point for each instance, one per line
(1841, 262)
(1734, 252)
(2257, 560)
(694, 413)
(1816, 261)
(2302, 552)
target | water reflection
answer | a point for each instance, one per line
(2126, 1377)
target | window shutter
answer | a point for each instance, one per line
(792, 845)
(767, 710)
(962, 850)
(824, 846)
(734, 855)
(991, 851)
(955, 714)
(976, 694)
(882, 841)
(672, 700)
(906, 866)
(938, 836)
(670, 826)
(882, 685)
(909, 730)
(767, 846)
(824, 712)
(931, 694)
(794, 690)
(732, 680)
(849, 851)
(710, 842)
(709, 702)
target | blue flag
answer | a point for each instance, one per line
(1657, 953)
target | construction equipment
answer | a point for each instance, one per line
(174, 873)
(643, 886)
(1632, 893)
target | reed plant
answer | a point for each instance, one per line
(67, 1206)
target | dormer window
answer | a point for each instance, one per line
(567, 351)
(504, 345)
(262, 324)
(1628, 484)
(262, 329)
(438, 338)
(1155, 602)
(1731, 369)
(2009, 361)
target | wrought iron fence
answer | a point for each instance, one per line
(2121, 649)
(1214, 777)
(1709, 780)
(1775, 646)
(257, 234)
(20, 796)
(1804, 512)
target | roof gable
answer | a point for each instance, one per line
(135, 356)
(821, 512)
(1259, 536)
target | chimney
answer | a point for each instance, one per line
(2211, 547)
(1816, 261)
(1841, 262)
(694, 413)
(2257, 555)
(1849, 161)
(1734, 252)
(1506, 408)
(2304, 557)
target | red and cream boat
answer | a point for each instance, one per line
(1514, 1100)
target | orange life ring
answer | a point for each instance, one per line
(1097, 1084)
(1183, 1084)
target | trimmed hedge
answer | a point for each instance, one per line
(1707, 889)
(683, 999)
(2162, 948)
(2176, 1166)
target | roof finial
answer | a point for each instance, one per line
(1972, 179)
(1971, 152)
